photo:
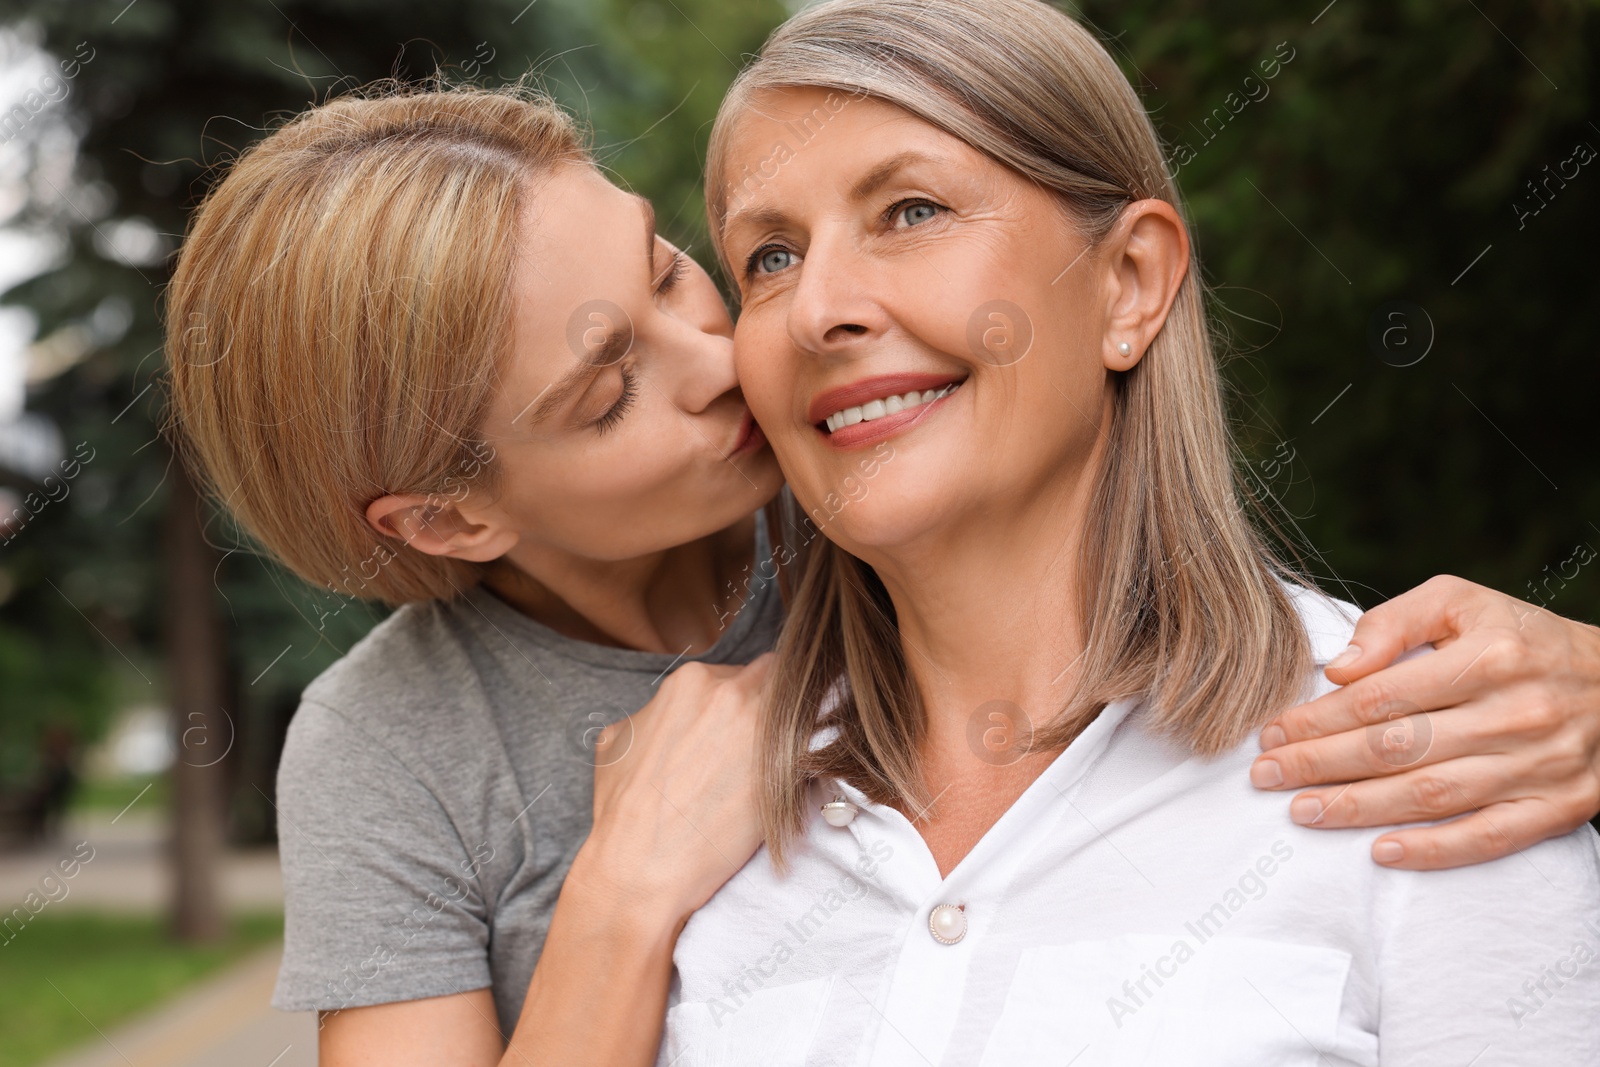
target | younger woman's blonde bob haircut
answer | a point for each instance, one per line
(1180, 598)
(339, 315)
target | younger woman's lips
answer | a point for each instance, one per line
(751, 439)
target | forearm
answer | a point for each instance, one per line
(599, 993)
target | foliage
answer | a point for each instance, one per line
(168, 90)
(1388, 159)
(1392, 150)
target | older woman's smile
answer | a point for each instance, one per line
(875, 408)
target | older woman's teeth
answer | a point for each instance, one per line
(892, 405)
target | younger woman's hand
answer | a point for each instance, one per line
(674, 791)
(1501, 724)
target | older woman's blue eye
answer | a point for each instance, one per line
(775, 259)
(915, 213)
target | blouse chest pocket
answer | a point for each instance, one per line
(775, 1027)
(1173, 1002)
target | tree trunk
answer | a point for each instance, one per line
(205, 732)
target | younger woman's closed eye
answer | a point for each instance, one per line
(625, 400)
(673, 274)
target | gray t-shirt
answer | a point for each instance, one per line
(435, 786)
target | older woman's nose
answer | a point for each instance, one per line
(834, 307)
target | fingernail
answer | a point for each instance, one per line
(1265, 774)
(1388, 852)
(1305, 810)
(1350, 654)
(1272, 736)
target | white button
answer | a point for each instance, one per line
(947, 923)
(839, 812)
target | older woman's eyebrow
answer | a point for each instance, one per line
(882, 173)
(760, 217)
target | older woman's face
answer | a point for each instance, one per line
(924, 336)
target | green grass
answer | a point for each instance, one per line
(110, 967)
(114, 794)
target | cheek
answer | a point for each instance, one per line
(764, 361)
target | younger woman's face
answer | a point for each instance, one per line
(619, 426)
(924, 337)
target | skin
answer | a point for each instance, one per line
(1517, 744)
(654, 519)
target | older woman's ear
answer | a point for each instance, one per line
(1145, 256)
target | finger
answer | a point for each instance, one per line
(1495, 831)
(1444, 679)
(1423, 794)
(1382, 749)
(1433, 612)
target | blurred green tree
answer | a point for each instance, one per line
(1407, 313)
(1343, 164)
(130, 567)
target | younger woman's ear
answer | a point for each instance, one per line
(436, 526)
(1147, 258)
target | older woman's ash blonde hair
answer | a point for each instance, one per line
(339, 316)
(1180, 599)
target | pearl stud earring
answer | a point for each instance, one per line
(1125, 348)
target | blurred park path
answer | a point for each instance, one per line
(130, 872)
(224, 1021)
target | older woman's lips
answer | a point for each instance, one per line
(875, 408)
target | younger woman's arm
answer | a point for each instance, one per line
(674, 819)
(1504, 729)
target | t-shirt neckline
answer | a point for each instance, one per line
(729, 647)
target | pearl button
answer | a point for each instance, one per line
(839, 812)
(947, 923)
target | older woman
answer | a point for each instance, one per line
(977, 260)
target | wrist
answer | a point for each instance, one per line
(611, 893)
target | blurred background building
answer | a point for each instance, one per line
(1396, 205)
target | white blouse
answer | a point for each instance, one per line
(1137, 905)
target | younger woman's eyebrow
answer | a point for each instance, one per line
(618, 340)
(649, 210)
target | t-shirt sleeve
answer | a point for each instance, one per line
(381, 902)
(1497, 964)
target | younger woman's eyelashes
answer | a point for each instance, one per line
(676, 269)
(624, 401)
(673, 274)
